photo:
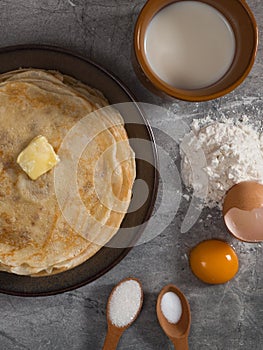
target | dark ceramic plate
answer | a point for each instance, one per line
(69, 63)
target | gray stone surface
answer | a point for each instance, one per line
(228, 317)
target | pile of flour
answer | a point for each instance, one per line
(218, 155)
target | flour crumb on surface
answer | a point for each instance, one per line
(226, 152)
(186, 197)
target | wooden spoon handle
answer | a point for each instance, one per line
(111, 340)
(181, 343)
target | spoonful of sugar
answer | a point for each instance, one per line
(124, 306)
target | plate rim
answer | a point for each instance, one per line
(133, 99)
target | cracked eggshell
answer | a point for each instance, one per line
(243, 211)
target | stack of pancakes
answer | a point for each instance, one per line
(38, 234)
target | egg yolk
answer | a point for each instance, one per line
(214, 261)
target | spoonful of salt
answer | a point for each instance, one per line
(124, 306)
(173, 312)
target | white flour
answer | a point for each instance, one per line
(219, 155)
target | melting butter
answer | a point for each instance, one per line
(37, 158)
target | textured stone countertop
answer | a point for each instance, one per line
(227, 317)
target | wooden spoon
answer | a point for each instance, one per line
(177, 332)
(114, 333)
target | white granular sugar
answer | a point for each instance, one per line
(125, 303)
(227, 151)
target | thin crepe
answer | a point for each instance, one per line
(36, 237)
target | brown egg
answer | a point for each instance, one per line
(243, 211)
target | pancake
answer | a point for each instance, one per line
(44, 230)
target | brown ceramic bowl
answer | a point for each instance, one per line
(245, 29)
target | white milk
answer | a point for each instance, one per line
(190, 45)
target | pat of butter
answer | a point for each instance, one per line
(37, 158)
